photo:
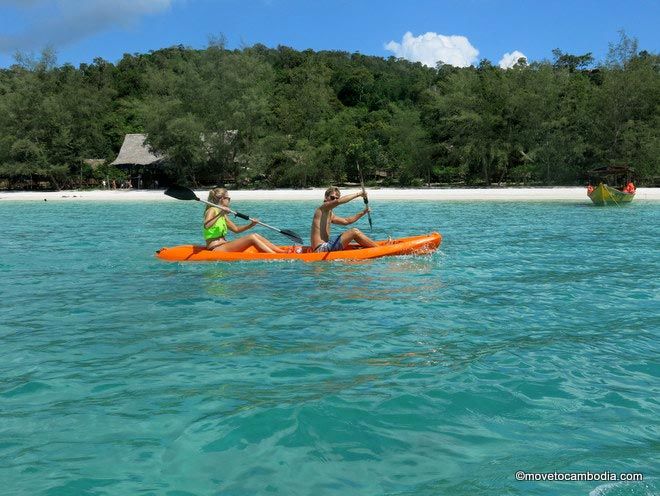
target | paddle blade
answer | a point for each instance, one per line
(292, 236)
(181, 193)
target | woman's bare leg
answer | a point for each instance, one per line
(269, 244)
(256, 240)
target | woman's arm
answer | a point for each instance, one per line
(239, 229)
(210, 217)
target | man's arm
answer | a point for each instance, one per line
(349, 220)
(344, 199)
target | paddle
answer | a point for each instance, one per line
(183, 193)
(366, 200)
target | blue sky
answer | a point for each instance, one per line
(460, 32)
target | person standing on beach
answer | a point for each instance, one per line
(216, 225)
(324, 217)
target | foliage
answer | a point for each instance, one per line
(260, 117)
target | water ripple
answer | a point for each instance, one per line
(528, 342)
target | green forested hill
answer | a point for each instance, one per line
(305, 118)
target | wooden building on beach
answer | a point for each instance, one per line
(147, 169)
(143, 166)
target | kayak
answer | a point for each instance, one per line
(415, 245)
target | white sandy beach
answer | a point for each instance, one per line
(571, 194)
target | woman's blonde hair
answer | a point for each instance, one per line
(215, 195)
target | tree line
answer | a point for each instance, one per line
(278, 117)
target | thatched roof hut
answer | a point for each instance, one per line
(134, 151)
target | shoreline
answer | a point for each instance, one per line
(572, 194)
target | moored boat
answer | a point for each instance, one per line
(606, 195)
(615, 185)
(414, 245)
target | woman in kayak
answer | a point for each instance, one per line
(216, 225)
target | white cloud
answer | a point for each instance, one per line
(431, 48)
(59, 22)
(511, 59)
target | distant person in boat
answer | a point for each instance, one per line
(216, 225)
(324, 217)
(590, 189)
(629, 188)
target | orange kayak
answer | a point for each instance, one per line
(415, 245)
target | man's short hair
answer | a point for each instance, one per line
(333, 189)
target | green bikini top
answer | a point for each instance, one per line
(218, 229)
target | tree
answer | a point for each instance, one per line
(572, 62)
(621, 53)
(282, 117)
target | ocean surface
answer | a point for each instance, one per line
(528, 342)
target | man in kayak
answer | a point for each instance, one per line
(324, 216)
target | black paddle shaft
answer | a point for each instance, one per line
(366, 200)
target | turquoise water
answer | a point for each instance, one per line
(528, 342)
